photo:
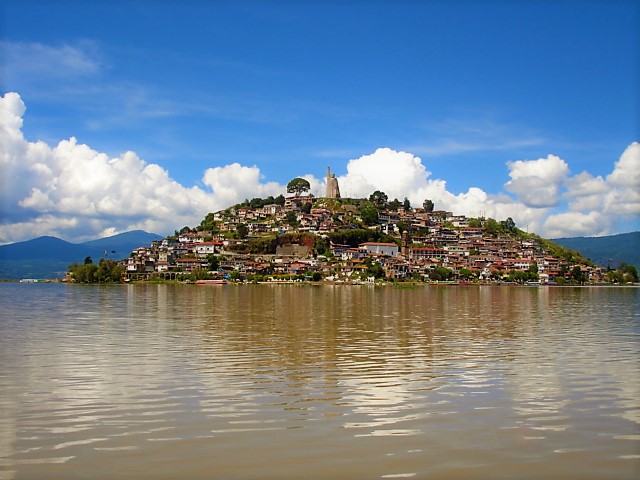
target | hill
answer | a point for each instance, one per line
(123, 243)
(607, 251)
(49, 257)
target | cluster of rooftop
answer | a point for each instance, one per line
(354, 240)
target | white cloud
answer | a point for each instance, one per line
(24, 59)
(585, 184)
(576, 224)
(401, 174)
(537, 182)
(72, 191)
(75, 192)
(596, 206)
(394, 173)
(627, 170)
(600, 206)
(234, 182)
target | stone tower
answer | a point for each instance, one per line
(404, 247)
(333, 190)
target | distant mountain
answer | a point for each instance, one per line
(49, 257)
(123, 243)
(607, 251)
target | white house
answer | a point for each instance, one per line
(379, 248)
(207, 248)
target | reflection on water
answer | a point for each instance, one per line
(318, 382)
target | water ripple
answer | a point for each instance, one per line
(353, 382)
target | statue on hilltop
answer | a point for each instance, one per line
(333, 190)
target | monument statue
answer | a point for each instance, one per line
(333, 190)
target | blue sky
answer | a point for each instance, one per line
(524, 109)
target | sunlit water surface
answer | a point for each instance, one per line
(261, 381)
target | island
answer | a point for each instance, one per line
(350, 240)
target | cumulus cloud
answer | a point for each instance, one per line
(75, 192)
(394, 173)
(401, 174)
(537, 183)
(627, 170)
(232, 182)
(539, 189)
(576, 224)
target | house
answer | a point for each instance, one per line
(520, 264)
(396, 269)
(380, 248)
(353, 254)
(204, 249)
(297, 268)
(426, 253)
(188, 264)
(189, 237)
(271, 209)
(162, 266)
(338, 249)
(349, 267)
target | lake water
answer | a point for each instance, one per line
(259, 381)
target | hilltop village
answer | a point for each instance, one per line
(301, 237)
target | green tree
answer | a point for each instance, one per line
(402, 226)
(109, 271)
(394, 204)
(508, 225)
(292, 219)
(533, 271)
(518, 276)
(492, 227)
(279, 200)
(378, 198)
(199, 274)
(242, 230)
(88, 260)
(321, 245)
(214, 262)
(441, 274)
(374, 269)
(369, 214)
(428, 205)
(256, 203)
(563, 271)
(297, 186)
(615, 276)
(406, 204)
(465, 273)
(630, 273)
(85, 273)
(578, 275)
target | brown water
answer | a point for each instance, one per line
(318, 382)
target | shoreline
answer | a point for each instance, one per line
(399, 285)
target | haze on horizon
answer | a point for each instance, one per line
(148, 116)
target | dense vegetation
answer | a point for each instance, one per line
(107, 271)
